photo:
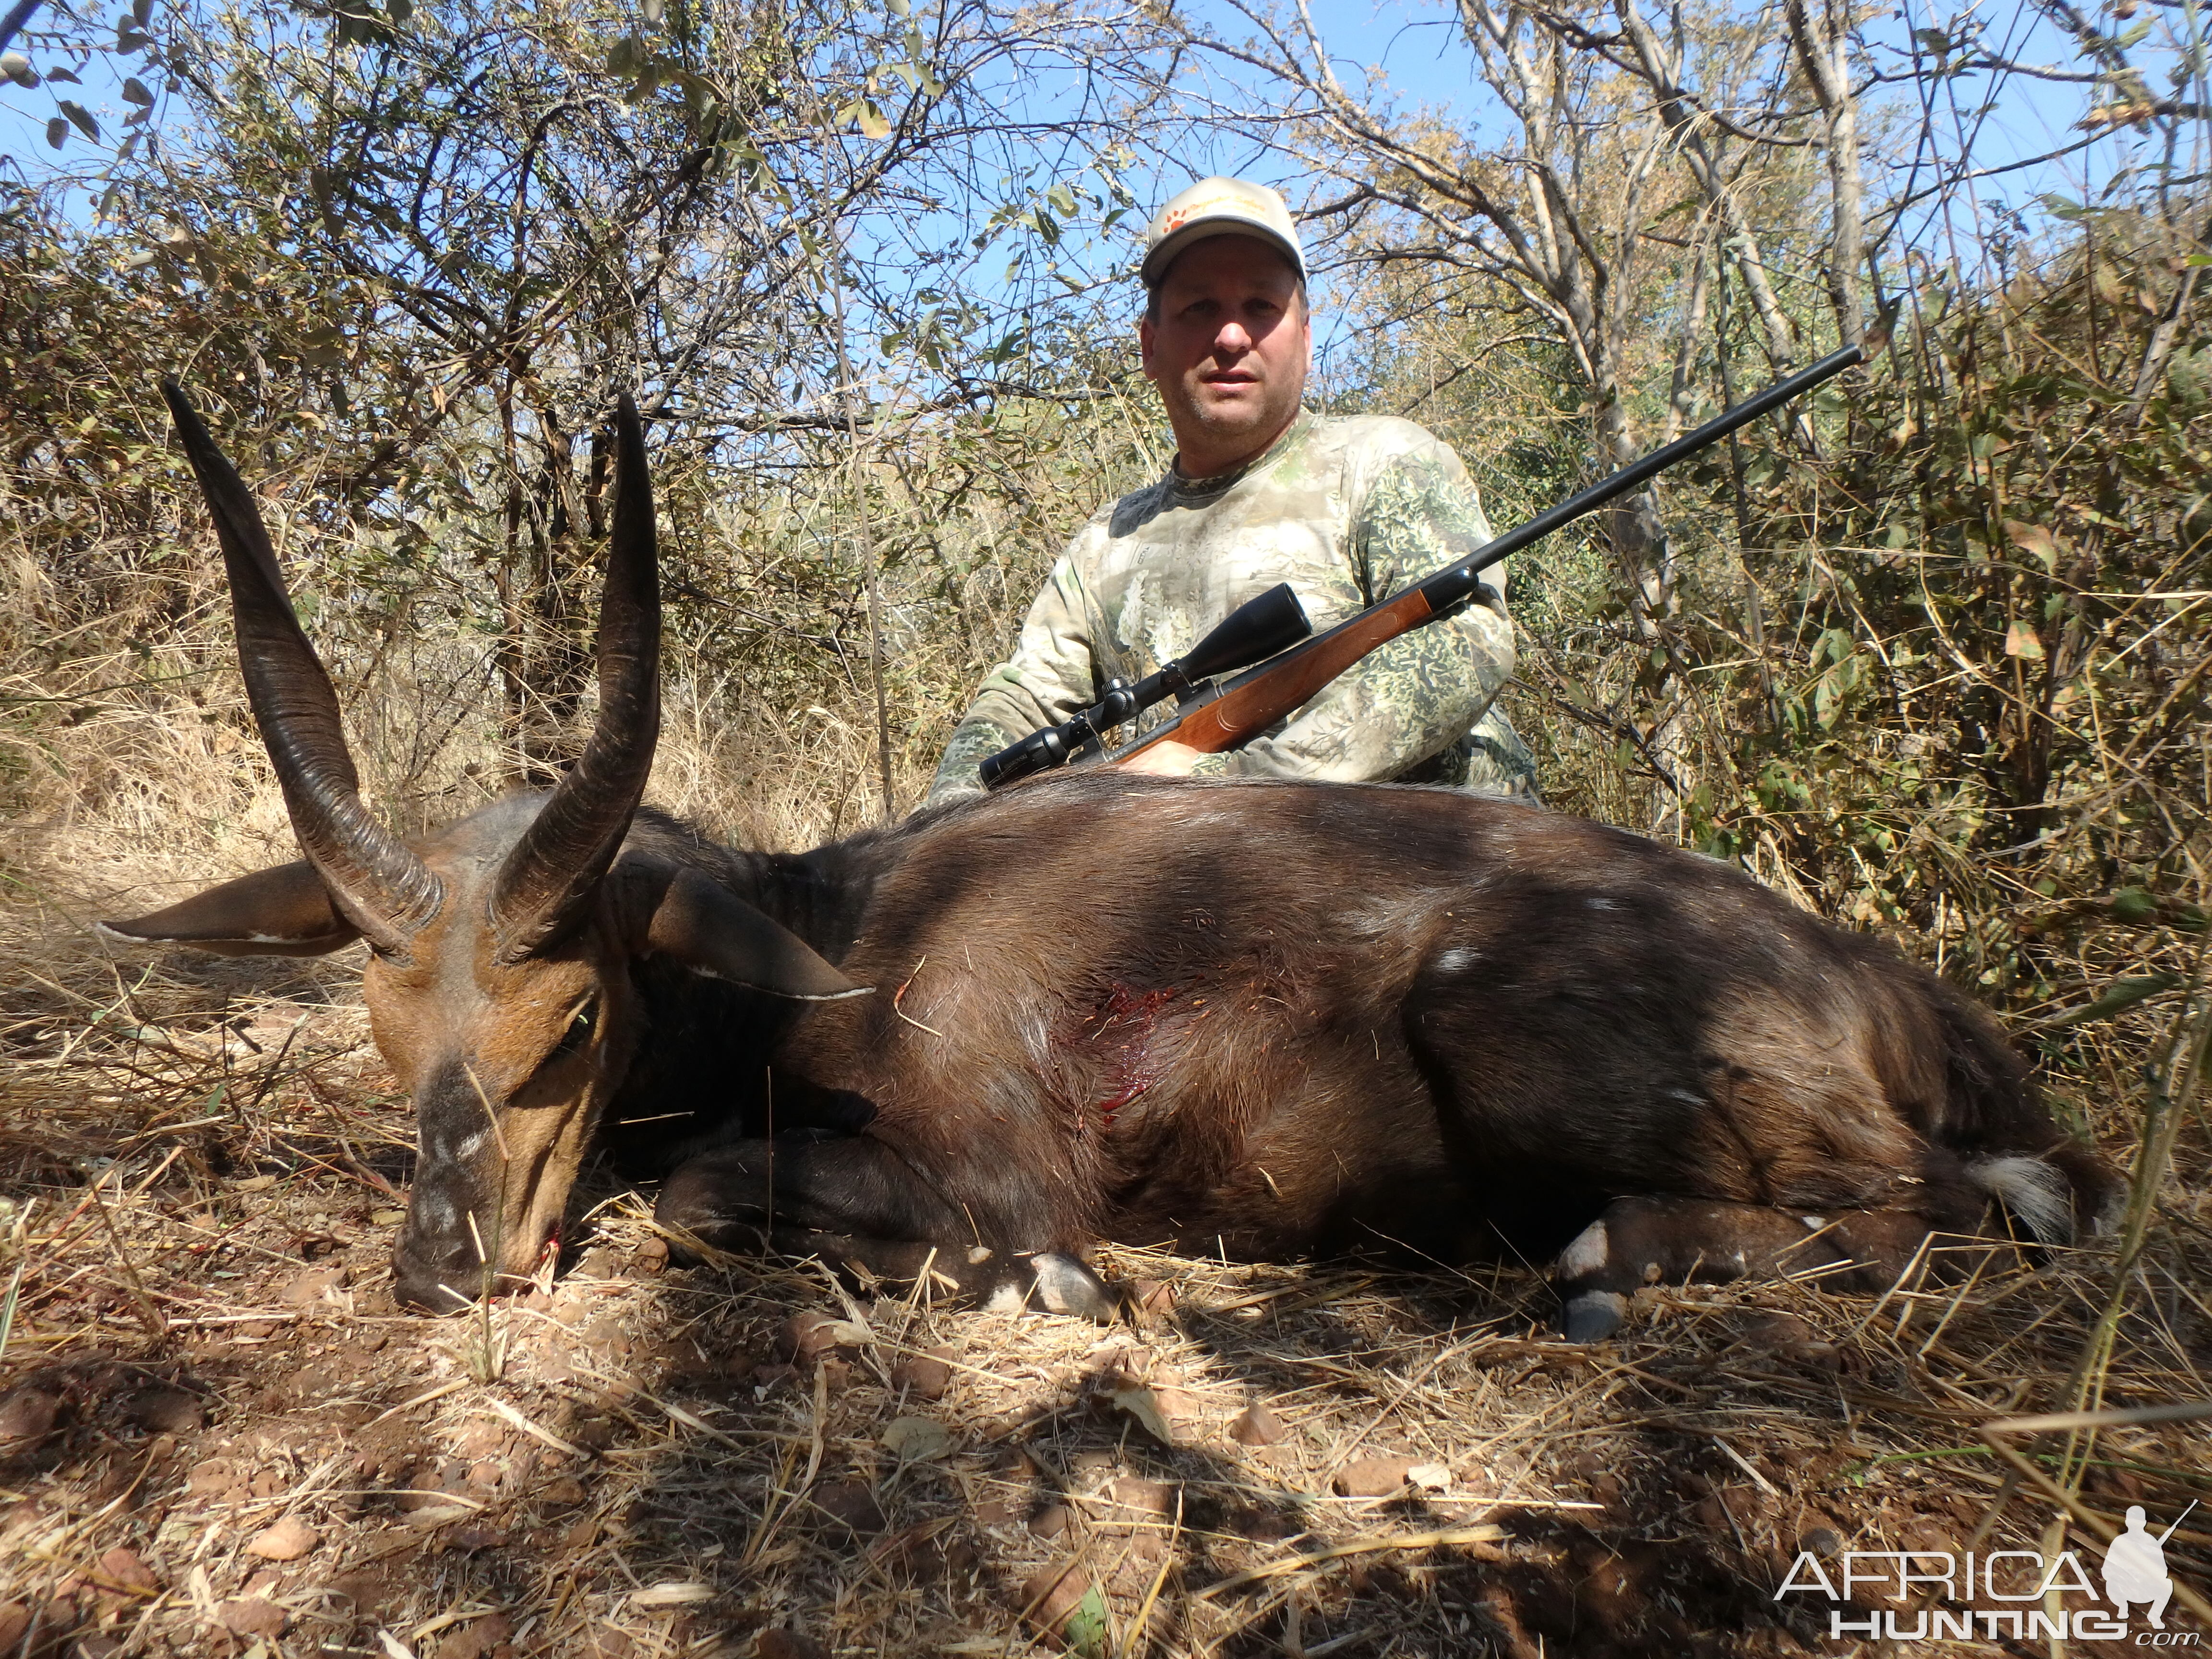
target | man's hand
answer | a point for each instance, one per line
(1165, 759)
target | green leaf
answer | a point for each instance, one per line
(2120, 995)
(1086, 1625)
(68, 75)
(871, 119)
(80, 116)
(2134, 904)
(57, 131)
(134, 89)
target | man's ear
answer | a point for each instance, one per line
(283, 912)
(711, 931)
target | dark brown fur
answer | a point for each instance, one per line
(1272, 1018)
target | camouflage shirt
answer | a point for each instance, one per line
(1348, 512)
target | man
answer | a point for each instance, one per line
(2135, 1570)
(1348, 511)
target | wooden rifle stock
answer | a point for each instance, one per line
(1253, 703)
(1239, 709)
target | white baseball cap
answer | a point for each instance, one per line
(1220, 207)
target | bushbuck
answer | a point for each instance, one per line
(1264, 1018)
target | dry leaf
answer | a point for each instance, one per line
(911, 1439)
(1144, 1406)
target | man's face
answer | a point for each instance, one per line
(1229, 351)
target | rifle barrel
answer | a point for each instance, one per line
(1447, 587)
(1650, 466)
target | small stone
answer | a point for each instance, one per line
(469, 1539)
(1052, 1522)
(387, 1218)
(26, 1416)
(809, 1336)
(1052, 1592)
(476, 1639)
(851, 1505)
(1429, 1477)
(1821, 1541)
(486, 1475)
(123, 1569)
(651, 1255)
(288, 1540)
(216, 1478)
(776, 1643)
(166, 1411)
(252, 1616)
(1778, 1333)
(1371, 1477)
(561, 1492)
(305, 1288)
(1147, 1497)
(927, 1375)
(1255, 1425)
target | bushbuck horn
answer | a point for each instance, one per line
(381, 887)
(553, 869)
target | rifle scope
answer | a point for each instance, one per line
(1252, 633)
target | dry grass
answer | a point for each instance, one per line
(200, 1164)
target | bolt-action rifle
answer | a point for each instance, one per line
(1221, 707)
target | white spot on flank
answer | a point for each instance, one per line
(1813, 1221)
(1597, 902)
(1458, 959)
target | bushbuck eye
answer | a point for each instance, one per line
(575, 1037)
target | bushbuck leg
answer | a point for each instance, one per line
(857, 1204)
(1680, 1241)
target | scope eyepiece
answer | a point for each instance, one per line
(1037, 752)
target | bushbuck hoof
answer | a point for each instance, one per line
(1060, 1283)
(1593, 1315)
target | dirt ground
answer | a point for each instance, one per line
(219, 1437)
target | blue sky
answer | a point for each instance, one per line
(1412, 50)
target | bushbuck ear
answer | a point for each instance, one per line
(713, 932)
(283, 912)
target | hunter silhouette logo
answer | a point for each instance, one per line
(2035, 1586)
(2135, 1567)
